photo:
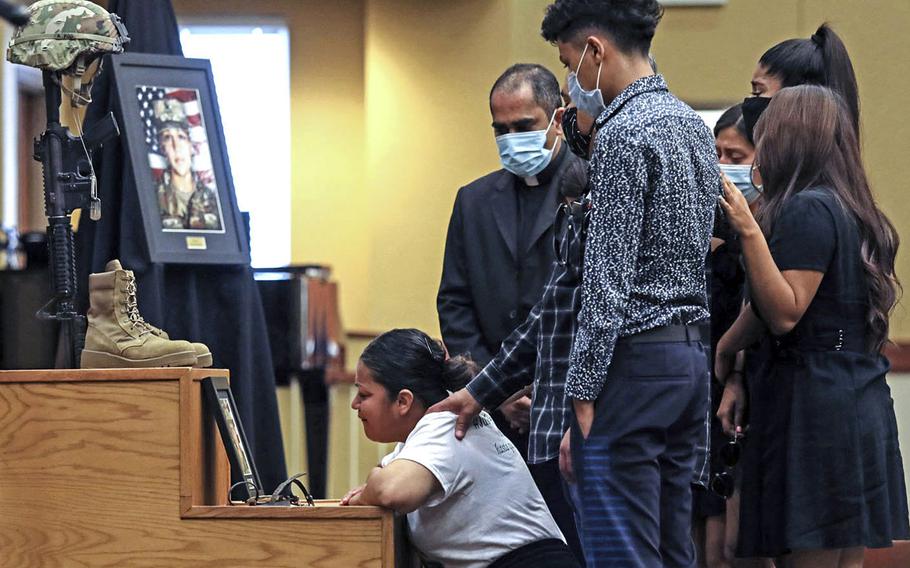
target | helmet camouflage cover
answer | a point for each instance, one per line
(169, 113)
(66, 36)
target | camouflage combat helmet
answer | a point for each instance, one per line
(67, 36)
(169, 113)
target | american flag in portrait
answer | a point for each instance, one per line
(192, 107)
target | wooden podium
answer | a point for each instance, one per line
(119, 468)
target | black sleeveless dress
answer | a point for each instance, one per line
(821, 467)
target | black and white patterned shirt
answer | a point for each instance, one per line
(654, 184)
(538, 350)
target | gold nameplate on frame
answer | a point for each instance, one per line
(196, 243)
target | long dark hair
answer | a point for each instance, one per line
(805, 140)
(411, 359)
(820, 60)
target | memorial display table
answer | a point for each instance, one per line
(121, 467)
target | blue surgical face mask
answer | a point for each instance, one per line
(741, 176)
(525, 153)
(590, 102)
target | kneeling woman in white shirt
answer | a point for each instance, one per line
(469, 503)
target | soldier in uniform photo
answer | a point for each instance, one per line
(185, 201)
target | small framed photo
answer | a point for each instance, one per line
(171, 128)
(220, 404)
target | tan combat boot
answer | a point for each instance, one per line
(203, 354)
(117, 336)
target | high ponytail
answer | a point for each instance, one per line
(839, 74)
(822, 60)
(410, 359)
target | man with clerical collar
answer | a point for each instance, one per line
(499, 248)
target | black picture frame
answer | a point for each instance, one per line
(206, 228)
(219, 403)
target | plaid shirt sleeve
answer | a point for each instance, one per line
(512, 368)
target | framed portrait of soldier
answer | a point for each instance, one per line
(171, 127)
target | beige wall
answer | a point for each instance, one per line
(328, 200)
(429, 67)
(390, 117)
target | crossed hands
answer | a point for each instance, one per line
(517, 411)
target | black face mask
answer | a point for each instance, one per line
(577, 142)
(752, 109)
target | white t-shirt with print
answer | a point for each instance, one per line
(488, 505)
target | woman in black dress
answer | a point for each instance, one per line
(715, 520)
(822, 472)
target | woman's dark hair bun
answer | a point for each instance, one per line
(411, 359)
(457, 372)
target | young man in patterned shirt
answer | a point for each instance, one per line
(638, 370)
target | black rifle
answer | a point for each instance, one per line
(68, 185)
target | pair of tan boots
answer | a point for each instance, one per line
(117, 336)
